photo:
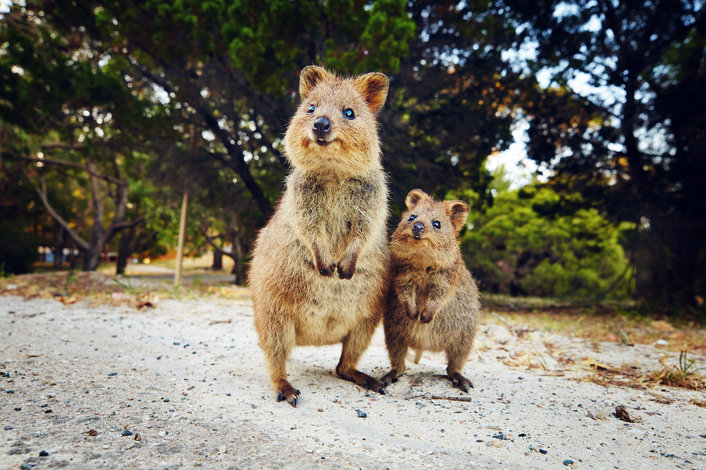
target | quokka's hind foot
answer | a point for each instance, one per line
(362, 379)
(460, 382)
(285, 391)
(390, 378)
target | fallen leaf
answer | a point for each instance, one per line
(622, 414)
(594, 364)
(68, 300)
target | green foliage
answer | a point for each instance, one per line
(633, 144)
(529, 243)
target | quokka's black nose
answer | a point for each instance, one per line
(417, 229)
(322, 126)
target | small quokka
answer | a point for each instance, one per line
(320, 265)
(433, 300)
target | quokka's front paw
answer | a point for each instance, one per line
(428, 313)
(346, 267)
(411, 311)
(324, 262)
(326, 269)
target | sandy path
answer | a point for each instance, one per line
(195, 390)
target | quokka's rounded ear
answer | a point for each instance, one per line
(413, 198)
(373, 87)
(458, 213)
(309, 77)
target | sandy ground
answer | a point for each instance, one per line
(184, 385)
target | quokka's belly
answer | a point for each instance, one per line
(335, 306)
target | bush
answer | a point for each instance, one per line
(534, 241)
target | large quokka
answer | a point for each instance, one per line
(319, 268)
(433, 301)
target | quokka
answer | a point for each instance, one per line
(320, 265)
(433, 300)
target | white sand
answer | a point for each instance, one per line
(197, 393)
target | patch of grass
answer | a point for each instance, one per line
(685, 374)
(97, 288)
(610, 325)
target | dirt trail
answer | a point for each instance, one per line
(185, 385)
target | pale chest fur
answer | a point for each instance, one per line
(337, 208)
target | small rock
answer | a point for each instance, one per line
(542, 451)
(127, 432)
(165, 400)
(361, 414)
(112, 374)
(568, 462)
(26, 466)
(500, 436)
(44, 453)
(10, 391)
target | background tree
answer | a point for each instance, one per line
(452, 103)
(642, 156)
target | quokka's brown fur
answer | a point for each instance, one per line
(433, 300)
(319, 268)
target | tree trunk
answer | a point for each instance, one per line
(237, 255)
(91, 258)
(125, 249)
(59, 243)
(217, 259)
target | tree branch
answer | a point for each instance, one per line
(42, 192)
(210, 241)
(66, 163)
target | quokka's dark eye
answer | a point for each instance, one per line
(349, 114)
(411, 218)
(436, 224)
(311, 109)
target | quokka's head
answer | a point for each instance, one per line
(429, 228)
(334, 128)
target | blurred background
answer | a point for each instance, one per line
(574, 129)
